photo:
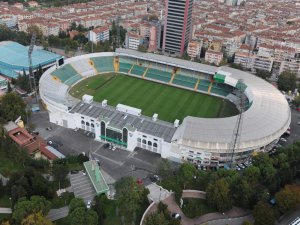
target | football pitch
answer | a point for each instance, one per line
(168, 102)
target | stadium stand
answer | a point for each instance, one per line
(104, 64)
(65, 73)
(125, 67)
(185, 81)
(203, 85)
(84, 67)
(138, 70)
(159, 75)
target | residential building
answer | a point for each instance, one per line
(155, 36)
(194, 49)
(246, 60)
(133, 40)
(99, 34)
(178, 26)
(213, 57)
(263, 63)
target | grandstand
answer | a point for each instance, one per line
(103, 64)
(267, 117)
(14, 59)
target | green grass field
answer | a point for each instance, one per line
(169, 102)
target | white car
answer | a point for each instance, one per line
(88, 205)
(114, 148)
(283, 140)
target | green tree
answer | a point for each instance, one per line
(12, 106)
(77, 216)
(263, 214)
(128, 194)
(163, 168)
(9, 89)
(25, 207)
(218, 195)
(91, 218)
(67, 49)
(287, 81)
(186, 174)
(155, 219)
(73, 26)
(76, 203)
(60, 171)
(264, 74)
(296, 101)
(99, 208)
(142, 48)
(286, 200)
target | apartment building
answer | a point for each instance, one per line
(99, 34)
(213, 57)
(194, 49)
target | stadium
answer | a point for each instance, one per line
(14, 59)
(182, 110)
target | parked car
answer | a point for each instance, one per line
(176, 216)
(35, 132)
(88, 205)
(106, 145)
(53, 144)
(76, 129)
(155, 178)
(114, 148)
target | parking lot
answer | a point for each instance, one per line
(114, 164)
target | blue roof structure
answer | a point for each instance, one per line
(14, 58)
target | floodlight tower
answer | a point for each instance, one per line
(236, 136)
(31, 74)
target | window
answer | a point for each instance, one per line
(82, 117)
(149, 143)
(82, 122)
(92, 125)
(144, 141)
(155, 145)
(125, 135)
(139, 140)
(144, 136)
(87, 123)
(155, 139)
(92, 120)
(102, 128)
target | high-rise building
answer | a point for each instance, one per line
(178, 26)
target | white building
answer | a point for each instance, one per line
(3, 84)
(213, 57)
(194, 49)
(133, 40)
(99, 34)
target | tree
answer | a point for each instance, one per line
(156, 218)
(286, 200)
(128, 194)
(9, 89)
(186, 173)
(91, 218)
(24, 207)
(60, 172)
(296, 101)
(99, 208)
(263, 214)
(163, 168)
(73, 26)
(218, 195)
(36, 218)
(12, 106)
(142, 48)
(287, 81)
(264, 74)
(76, 203)
(77, 216)
(67, 49)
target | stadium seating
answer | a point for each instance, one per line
(83, 67)
(159, 75)
(221, 89)
(104, 64)
(124, 67)
(73, 80)
(65, 73)
(138, 70)
(203, 85)
(185, 81)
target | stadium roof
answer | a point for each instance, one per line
(266, 120)
(169, 60)
(14, 57)
(119, 120)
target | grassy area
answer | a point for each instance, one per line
(193, 207)
(169, 102)
(8, 166)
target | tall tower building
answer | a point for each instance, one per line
(178, 26)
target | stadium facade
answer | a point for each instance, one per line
(14, 59)
(200, 140)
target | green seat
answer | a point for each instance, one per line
(185, 81)
(138, 70)
(104, 64)
(124, 67)
(65, 73)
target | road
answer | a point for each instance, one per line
(115, 164)
(55, 214)
(288, 218)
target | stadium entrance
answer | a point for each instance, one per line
(113, 135)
